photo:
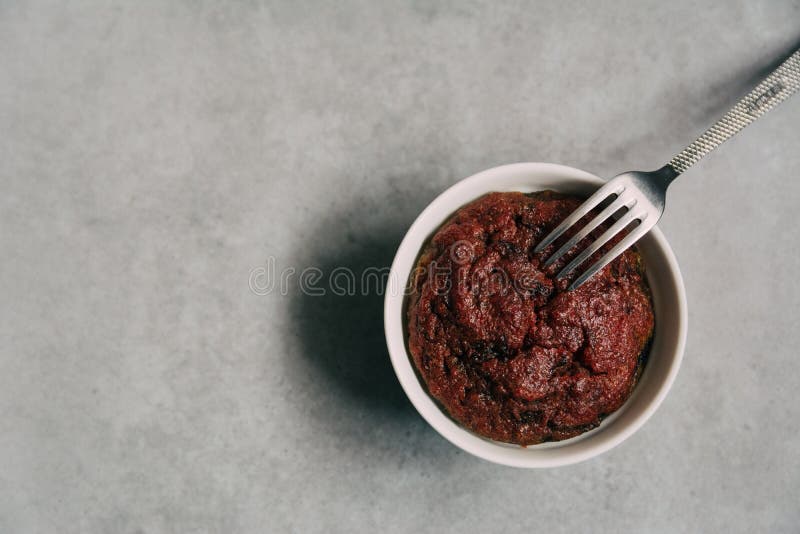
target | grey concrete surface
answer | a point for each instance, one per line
(153, 153)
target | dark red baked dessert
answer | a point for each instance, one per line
(502, 345)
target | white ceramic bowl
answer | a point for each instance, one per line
(666, 351)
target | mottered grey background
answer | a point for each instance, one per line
(155, 152)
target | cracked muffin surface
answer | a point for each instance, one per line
(502, 345)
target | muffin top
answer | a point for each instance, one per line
(502, 345)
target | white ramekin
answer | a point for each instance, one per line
(666, 352)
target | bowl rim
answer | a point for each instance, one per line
(551, 454)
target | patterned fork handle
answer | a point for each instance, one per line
(775, 88)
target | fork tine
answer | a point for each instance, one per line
(616, 228)
(612, 208)
(615, 251)
(601, 194)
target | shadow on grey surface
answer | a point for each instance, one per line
(356, 399)
(341, 336)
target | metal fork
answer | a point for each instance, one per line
(642, 194)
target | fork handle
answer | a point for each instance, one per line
(773, 90)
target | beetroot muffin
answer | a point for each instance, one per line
(502, 345)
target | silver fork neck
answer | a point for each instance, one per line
(665, 175)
